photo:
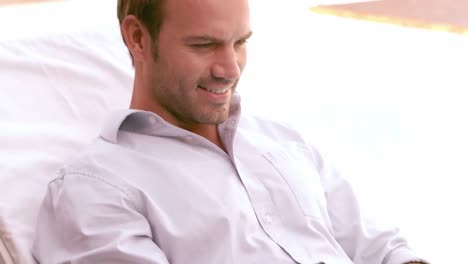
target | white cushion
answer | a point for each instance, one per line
(63, 67)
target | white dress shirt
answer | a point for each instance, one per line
(149, 192)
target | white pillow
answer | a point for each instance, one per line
(63, 67)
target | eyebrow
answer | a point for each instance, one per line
(212, 39)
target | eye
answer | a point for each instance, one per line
(241, 42)
(203, 45)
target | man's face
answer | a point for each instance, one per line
(201, 54)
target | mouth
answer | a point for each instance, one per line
(215, 90)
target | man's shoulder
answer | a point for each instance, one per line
(259, 126)
(273, 136)
(104, 150)
(98, 159)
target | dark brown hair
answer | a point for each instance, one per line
(149, 12)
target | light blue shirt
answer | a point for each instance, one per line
(149, 192)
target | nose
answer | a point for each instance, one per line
(226, 65)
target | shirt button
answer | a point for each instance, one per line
(268, 218)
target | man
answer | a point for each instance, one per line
(183, 178)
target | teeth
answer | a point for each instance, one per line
(218, 90)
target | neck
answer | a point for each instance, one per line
(210, 132)
(142, 101)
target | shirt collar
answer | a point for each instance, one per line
(144, 122)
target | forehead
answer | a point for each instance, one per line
(207, 16)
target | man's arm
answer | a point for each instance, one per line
(86, 220)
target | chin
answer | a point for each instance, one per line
(215, 119)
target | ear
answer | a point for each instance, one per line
(136, 37)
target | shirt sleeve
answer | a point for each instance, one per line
(364, 240)
(83, 219)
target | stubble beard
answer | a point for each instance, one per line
(188, 114)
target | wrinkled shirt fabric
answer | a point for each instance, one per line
(148, 192)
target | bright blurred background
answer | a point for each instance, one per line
(387, 103)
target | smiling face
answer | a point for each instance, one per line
(197, 61)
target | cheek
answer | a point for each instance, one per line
(195, 69)
(242, 59)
